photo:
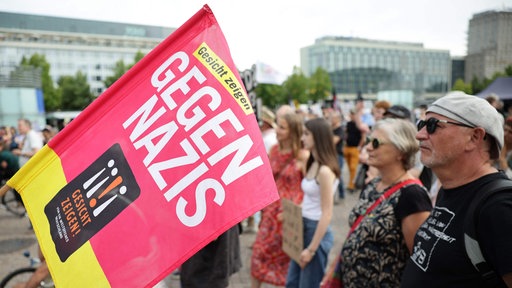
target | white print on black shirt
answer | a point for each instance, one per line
(429, 234)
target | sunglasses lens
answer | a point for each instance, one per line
(431, 125)
(375, 143)
(421, 124)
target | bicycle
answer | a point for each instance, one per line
(24, 274)
(11, 202)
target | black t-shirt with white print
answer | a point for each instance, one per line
(439, 257)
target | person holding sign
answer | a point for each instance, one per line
(390, 210)
(319, 184)
(269, 263)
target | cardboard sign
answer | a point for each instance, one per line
(293, 239)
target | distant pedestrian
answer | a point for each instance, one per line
(338, 131)
(31, 144)
(213, 265)
(355, 136)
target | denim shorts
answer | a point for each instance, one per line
(312, 274)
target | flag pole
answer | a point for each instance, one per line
(4, 189)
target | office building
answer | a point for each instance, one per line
(72, 45)
(458, 68)
(365, 66)
(489, 44)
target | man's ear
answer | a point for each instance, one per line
(479, 133)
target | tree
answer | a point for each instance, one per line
(138, 56)
(320, 85)
(121, 68)
(476, 86)
(508, 70)
(75, 91)
(50, 94)
(460, 85)
(296, 86)
(271, 95)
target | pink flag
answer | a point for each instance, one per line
(162, 163)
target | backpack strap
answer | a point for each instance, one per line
(470, 227)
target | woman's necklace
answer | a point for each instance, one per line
(382, 187)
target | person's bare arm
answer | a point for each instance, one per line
(507, 278)
(410, 225)
(36, 278)
(360, 124)
(336, 139)
(326, 179)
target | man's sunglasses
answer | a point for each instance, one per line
(375, 142)
(432, 124)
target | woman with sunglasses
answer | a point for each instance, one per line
(319, 185)
(389, 211)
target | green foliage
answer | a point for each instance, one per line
(296, 86)
(121, 68)
(271, 95)
(460, 85)
(75, 91)
(138, 56)
(476, 86)
(508, 70)
(320, 85)
(50, 94)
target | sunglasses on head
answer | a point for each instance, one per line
(432, 124)
(375, 142)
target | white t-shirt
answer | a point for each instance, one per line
(31, 141)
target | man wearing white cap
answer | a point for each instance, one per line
(459, 137)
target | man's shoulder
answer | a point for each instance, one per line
(491, 186)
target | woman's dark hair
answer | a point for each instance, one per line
(324, 144)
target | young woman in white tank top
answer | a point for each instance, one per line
(320, 181)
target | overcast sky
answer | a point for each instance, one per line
(273, 31)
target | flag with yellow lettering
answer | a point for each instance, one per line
(162, 163)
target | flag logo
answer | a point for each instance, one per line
(90, 201)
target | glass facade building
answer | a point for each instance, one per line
(365, 66)
(72, 45)
(458, 68)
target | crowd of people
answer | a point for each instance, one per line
(432, 209)
(18, 144)
(423, 169)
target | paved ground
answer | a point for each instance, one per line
(16, 238)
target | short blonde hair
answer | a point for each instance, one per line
(402, 134)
